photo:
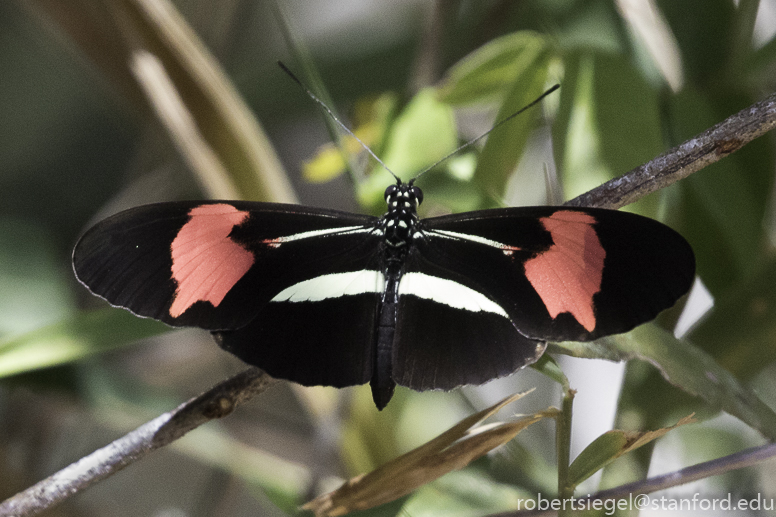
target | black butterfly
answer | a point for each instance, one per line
(322, 297)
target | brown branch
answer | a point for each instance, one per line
(681, 161)
(217, 402)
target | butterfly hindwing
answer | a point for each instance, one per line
(449, 334)
(215, 264)
(563, 273)
(312, 343)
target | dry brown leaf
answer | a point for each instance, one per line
(452, 450)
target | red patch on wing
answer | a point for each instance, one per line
(567, 275)
(206, 263)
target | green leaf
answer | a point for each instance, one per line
(34, 282)
(504, 147)
(576, 134)
(705, 40)
(610, 446)
(723, 205)
(627, 115)
(464, 493)
(739, 330)
(490, 72)
(608, 123)
(601, 451)
(75, 338)
(549, 367)
(422, 134)
(687, 367)
(594, 26)
(372, 119)
(760, 63)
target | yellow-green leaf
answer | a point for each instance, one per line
(74, 338)
(488, 73)
(610, 446)
(372, 117)
(423, 133)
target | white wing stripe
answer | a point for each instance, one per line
(445, 234)
(333, 286)
(447, 292)
(439, 290)
(344, 230)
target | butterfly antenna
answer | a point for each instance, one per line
(335, 119)
(489, 131)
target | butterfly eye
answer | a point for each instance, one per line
(390, 191)
(418, 195)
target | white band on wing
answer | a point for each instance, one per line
(333, 285)
(447, 292)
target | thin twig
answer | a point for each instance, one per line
(217, 402)
(681, 161)
(739, 460)
(563, 442)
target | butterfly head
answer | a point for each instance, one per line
(403, 196)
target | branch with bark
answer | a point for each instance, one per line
(217, 402)
(691, 156)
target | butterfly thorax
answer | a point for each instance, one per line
(399, 222)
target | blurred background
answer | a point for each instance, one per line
(79, 139)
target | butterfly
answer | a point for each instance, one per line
(324, 297)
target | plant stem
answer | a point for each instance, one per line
(563, 444)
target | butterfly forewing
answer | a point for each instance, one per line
(563, 273)
(215, 264)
